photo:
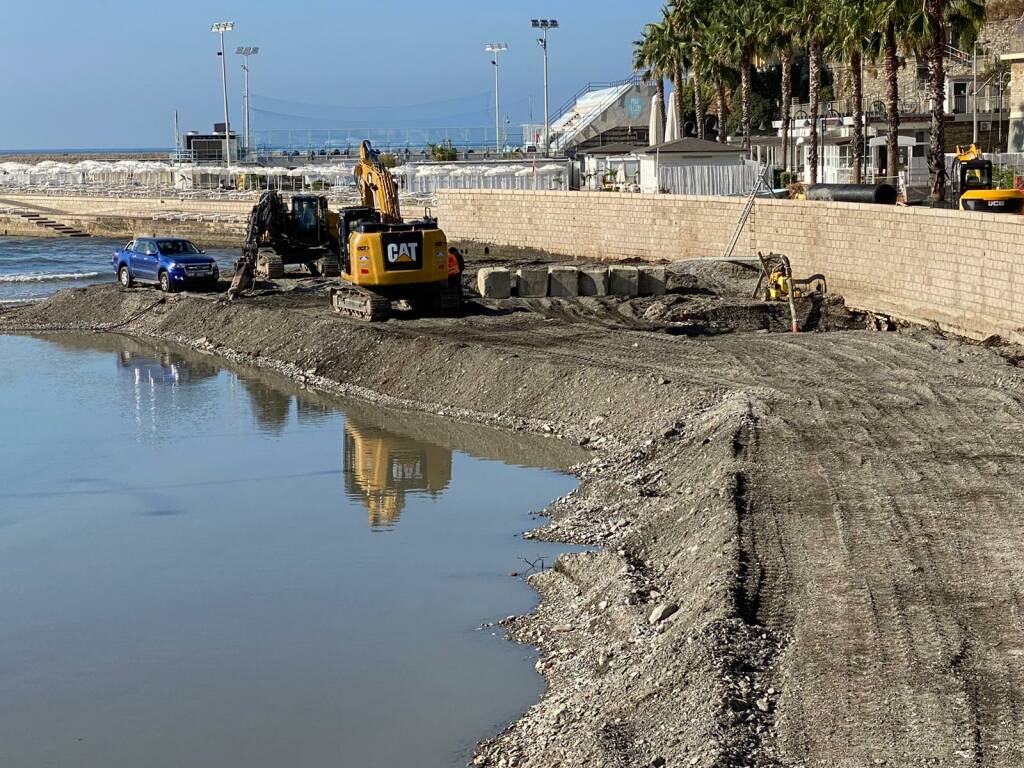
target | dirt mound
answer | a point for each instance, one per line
(809, 542)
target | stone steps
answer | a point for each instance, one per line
(41, 221)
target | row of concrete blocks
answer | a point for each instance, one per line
(562, 281)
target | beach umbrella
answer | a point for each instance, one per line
(672, 127)
(657, 128)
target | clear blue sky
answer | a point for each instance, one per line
(109, 73)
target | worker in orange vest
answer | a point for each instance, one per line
(456, 266)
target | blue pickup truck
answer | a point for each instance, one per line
(171, 262)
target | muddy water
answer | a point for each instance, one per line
(205, 567)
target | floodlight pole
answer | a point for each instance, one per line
(246, 52)
(544, 25)
(547, 120)
(220, 28)
(245, 99)
(496, 48)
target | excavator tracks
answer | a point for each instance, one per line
(269, 265)
(359, 303)
(449, 302)
(328, 266)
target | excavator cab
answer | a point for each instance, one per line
(309, 218)
(348, 219)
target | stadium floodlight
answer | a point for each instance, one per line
(495, 49)
(220, 28)
(246, 51)
(545, 25)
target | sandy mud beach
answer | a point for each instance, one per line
(806, 546)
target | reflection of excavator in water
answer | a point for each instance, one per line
(381, 468)
(381, 259)
(973, 189)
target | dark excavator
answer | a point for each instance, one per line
(277, 236)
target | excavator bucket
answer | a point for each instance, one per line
(244, 278)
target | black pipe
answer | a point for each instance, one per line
(882, 194)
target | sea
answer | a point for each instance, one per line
(33, 268)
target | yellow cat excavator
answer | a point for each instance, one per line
(380, 258)
(384, 259)
(972, 185)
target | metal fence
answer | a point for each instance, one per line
(385, 139)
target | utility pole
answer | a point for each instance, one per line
(545, 25)
(220, 28)
(496, 48)
(246, 52)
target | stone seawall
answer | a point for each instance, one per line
(221, 225)
(204, 233)
(964, 271)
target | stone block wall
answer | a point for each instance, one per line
(962, 270)
(601, 225)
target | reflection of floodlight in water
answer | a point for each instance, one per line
(220, 28)
(496, 48)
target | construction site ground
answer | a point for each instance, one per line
(807, 546)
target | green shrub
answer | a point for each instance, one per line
(443, 152)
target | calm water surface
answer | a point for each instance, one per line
(206, 567)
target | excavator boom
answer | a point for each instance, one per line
(377, 186)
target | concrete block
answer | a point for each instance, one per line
(532, 282)
(593, 281)
(651, 281)
(563, 281)
(494, 282)
(623, 281)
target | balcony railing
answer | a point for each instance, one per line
(914, 104)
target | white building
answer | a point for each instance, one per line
(692, 166)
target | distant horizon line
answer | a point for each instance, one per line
(81, 150)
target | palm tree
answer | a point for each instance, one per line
(707, 60)
(743, 25)
(782, 30)
(679, 39)
(894, 18)
(855, 26)
(718, 70)
(687, 18)
(815, 54)
(652, 54)
(965, 18)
